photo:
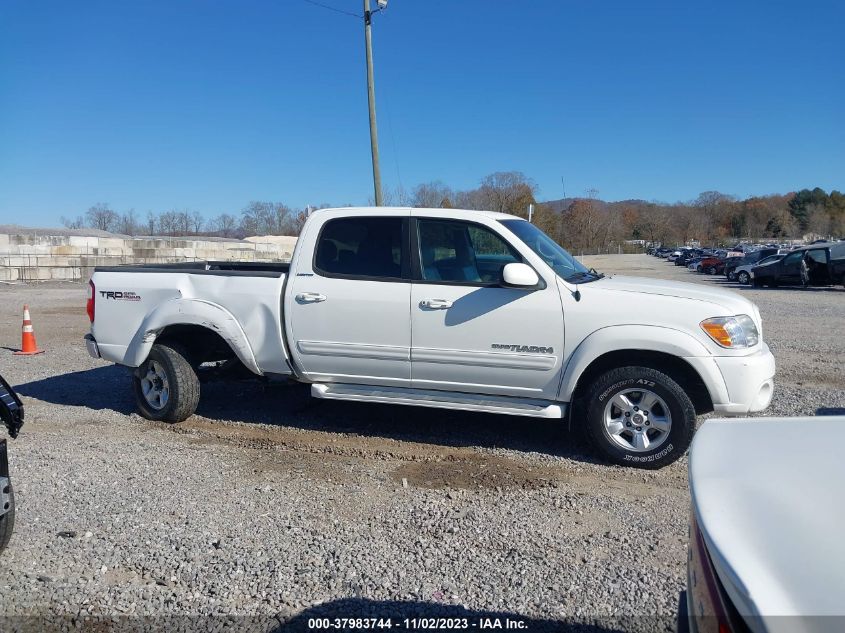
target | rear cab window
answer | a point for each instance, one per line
(372, 248)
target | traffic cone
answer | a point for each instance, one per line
(28, 345)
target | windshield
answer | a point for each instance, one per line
(564, 264)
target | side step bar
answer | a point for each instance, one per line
(439, 399)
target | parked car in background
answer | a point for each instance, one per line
(751, 257)
(712, 265)
(687, 256)
(743, 273)
(765, 550)
(445, 308)
(825, 267)
(12, 414)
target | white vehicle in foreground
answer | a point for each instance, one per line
(765, 551)
(468, 310)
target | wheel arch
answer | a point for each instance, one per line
(200, 326)
(663, 349)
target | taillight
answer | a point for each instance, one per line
(710, 605)
(89, 307)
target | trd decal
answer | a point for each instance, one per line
(531, 349)
(118, 295)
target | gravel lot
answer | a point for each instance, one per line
(270, 505)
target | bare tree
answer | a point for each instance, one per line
(168, 223)
(128, 223)
(267, 218)
(430, 195)
(224, 225)
(507, 192)
(101, 217)
(152, 222)
(68, 223)
(197, 222)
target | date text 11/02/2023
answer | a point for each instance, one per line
(414, 624)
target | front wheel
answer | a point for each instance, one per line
(638, 416)
(743, 277)
(166, 386)
(711, 270)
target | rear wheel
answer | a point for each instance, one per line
(638, 416)
(743, 277)
(711, 270)
(166, 386)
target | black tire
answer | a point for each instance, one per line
(680, 407)
(711, 270)
(182, 382)
(743, 277)
(7, 521)
(731, 276)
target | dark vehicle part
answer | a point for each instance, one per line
(12, 413)
(7, 499)
(11, 409)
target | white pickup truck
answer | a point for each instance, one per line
(467, 310)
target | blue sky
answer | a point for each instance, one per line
(207, 105)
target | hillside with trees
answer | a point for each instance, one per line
(584, 225)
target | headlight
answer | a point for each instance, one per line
(732, 332)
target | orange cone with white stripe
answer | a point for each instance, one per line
(28, 345)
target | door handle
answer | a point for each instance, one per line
(310, 297)
(435, 304)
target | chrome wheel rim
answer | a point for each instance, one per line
(154, 386)
(743, 277)
(637, 420)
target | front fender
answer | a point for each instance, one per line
(187, 311)
(651, 338)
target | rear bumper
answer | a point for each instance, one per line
(749, 381)
(91, 345)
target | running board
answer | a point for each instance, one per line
(439, 399)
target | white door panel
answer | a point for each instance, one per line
(493, 340)
(359, 333)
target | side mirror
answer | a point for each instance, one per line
(519, 276)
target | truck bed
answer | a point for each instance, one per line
(241, 302)
(233, 269)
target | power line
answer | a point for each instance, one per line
(335, 9)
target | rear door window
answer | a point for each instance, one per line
(363, 248)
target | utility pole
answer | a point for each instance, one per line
(371, 96)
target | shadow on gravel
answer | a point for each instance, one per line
(290, 405)
(101, 388)
(420, 614)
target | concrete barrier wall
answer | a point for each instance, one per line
(27, 257)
